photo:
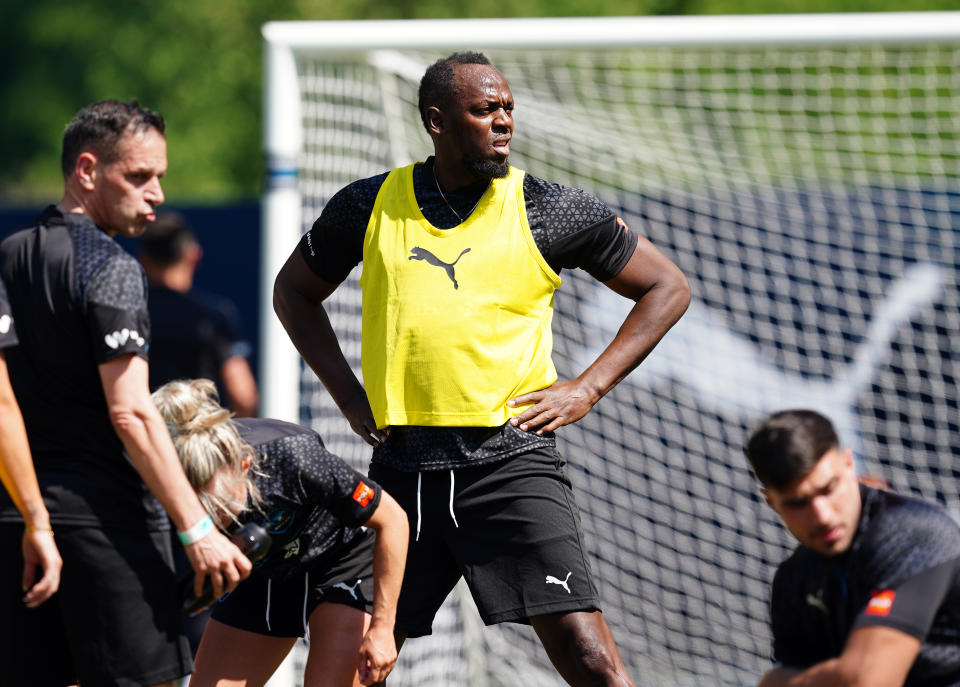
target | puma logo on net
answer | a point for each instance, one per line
(418, 253)
(120, 337)
(563, 583)
(5, 322)
(345, 586)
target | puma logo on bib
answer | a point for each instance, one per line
(418, 253)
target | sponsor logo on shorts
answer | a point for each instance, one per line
(363, 494)
(351, 589)
(121, 336)
(881, 602)
(5, 322)
(563, 583)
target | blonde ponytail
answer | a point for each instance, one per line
(208, 444)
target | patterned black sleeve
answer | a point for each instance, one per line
(329, 481)
(911, 605)
(575, 229)
(334, 245)
(116, 302)
(8, 333)
(913, 560)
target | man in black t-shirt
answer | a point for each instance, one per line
(872, 594)
(461, 256)
(195, 334)
(106, 465)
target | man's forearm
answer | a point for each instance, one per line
(147, 442)
(651, 317)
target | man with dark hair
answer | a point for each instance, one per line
(195, 334)
(461, 257)
(106, 464)
(872, 594)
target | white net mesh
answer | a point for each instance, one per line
(812, 197)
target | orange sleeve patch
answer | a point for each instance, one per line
(881, 602)
(363, 494)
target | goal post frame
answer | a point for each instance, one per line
(282, 133)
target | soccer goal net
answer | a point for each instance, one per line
(803, 171)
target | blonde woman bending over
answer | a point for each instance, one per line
(336, 560)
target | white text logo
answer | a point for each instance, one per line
(119, 338)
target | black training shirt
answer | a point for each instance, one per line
(901, 571)
(313, 503)
(570, 227)
(79, 301)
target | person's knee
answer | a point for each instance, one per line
(582, 649)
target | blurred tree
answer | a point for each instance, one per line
(198, 62)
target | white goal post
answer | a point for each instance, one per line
(803, 171)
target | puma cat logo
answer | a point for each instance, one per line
(563, 583)
(351, 589)
(418, 253)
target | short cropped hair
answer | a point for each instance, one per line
(438, 86)
(165, 241)
(100, 127)
(788, 445)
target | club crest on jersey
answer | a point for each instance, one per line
(363, 494)
(121, 336)
(5, 322)
(279, 521)
(881, 602)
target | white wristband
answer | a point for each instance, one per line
(197, 532)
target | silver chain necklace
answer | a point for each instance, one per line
(440, 190)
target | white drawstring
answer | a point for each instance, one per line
(306, 591)
(454, 517)
(268, 603)
(419, 475)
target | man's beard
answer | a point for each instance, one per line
(487, 169)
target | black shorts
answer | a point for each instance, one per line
(114, 621)
(511, 528)
(280, 608)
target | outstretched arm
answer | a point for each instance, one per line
(378, 652)
(144, 435)
(661, 294)
(20, 480)
(298, 296)
(874, 656)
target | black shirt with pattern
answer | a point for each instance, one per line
(571, 229)
(79, 301)
(902, 571)
(313, 504)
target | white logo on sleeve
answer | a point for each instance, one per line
(563, 583)
(5, 322)
(351, 589)
(119, 338)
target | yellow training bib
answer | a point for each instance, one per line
(455, 321)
